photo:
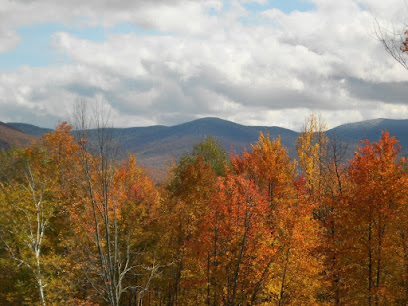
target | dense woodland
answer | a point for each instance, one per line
(80, 227)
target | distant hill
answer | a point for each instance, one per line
(13, 137)
(156, 146)
(352, 133)
(29, 128)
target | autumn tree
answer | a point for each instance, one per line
(28, 204)
(332, 220)
(186, 203)
(312, 149)
(322, 163)
(376, 194)
(137, 208)
(399, 230)
(271, 168)
(109, 206)
(269, 165)
(235, 242)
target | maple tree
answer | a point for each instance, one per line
(80, 227)
(294, 231)
(186, 205)
(330, 214)
(270, 166)
(321, 162)
(236, 241)
(377, 191)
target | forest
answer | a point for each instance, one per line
(79, 226)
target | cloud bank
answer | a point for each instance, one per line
(183, 60)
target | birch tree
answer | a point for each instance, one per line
(26, 209)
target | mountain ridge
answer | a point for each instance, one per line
(158, 145)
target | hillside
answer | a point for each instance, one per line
(352, 133)
(156, 146)
(13, 137)
(29, 128)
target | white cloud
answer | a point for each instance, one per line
(255, 1)
(8, 40)
(205, 62)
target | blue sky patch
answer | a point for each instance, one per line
(35, 47)
(285, 6)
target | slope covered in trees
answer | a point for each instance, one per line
(13, 137)
(156, 147)
(78, 227)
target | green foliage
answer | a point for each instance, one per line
(212, 153)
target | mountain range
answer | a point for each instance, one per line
(157, 146)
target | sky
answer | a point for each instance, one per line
(254, 62)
